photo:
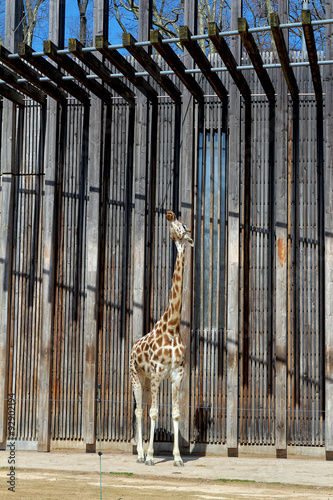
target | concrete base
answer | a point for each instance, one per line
(203, 449)
(25, 445)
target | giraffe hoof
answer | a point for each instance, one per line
(140, 460)
(149, 461)
(178, 463)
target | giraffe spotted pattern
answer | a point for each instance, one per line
(160, 353)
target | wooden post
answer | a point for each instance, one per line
(50, 209)
(141, 159)
(328, 203)
(187, 160)
(233, 245)
(13, 34)
(94, 187)
(281, 275)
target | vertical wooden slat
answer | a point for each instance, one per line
(281, 276)
(92, 262)
(56, 30)
(186, 207)
(140, 286)
(233, 246)
(299, 359)
(328, 182)
(13, 32)
(321, 253)
(141, 155)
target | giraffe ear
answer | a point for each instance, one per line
(189, 240)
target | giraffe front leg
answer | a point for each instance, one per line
(178, 462)
(155, 384)
(138, 392)
(141, 455)
(150, 452)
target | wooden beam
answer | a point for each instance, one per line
(119, 61)
(53, 169)
(52, 72)
(11, 94)
(227, 57)
(97, 66)
(254, 54)
(140, 302)
(8, 163)
(185, 190)
(282, 51)
(328, 221)
(312, 53)
(283, 163)
(176, 65)
(150, 66)
(29, 90)
(233, 327)
(31, 75)
(72, 68)
(97, 163)
(201, 60)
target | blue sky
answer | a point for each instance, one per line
(72, 15)
(72, 25)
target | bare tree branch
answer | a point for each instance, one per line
(31, 17)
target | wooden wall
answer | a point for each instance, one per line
(87, 262)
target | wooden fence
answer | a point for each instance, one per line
(86, 260)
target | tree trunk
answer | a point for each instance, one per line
(83, 4)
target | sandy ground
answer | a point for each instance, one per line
(71, 475)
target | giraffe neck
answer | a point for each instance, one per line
(175, 299)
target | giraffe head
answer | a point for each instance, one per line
(178, 230)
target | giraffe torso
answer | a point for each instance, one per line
(158, 353)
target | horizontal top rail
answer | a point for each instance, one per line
(96, 70)
(203, 36)
(191, 70)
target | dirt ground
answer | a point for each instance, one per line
(70, 475)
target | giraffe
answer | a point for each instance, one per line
(160, 353)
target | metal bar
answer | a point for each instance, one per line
(98, 67)
(153, 69)
(147, 43)
(254, 54)
(10, 77)
(23, 69)
(75, 70)
(187, 71)
(228, 58)
(53, 73)
(176, 64)
(283, 55)
(312, 53)
(201, 60)
(127, 70)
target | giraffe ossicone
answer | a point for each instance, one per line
(160, 353)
